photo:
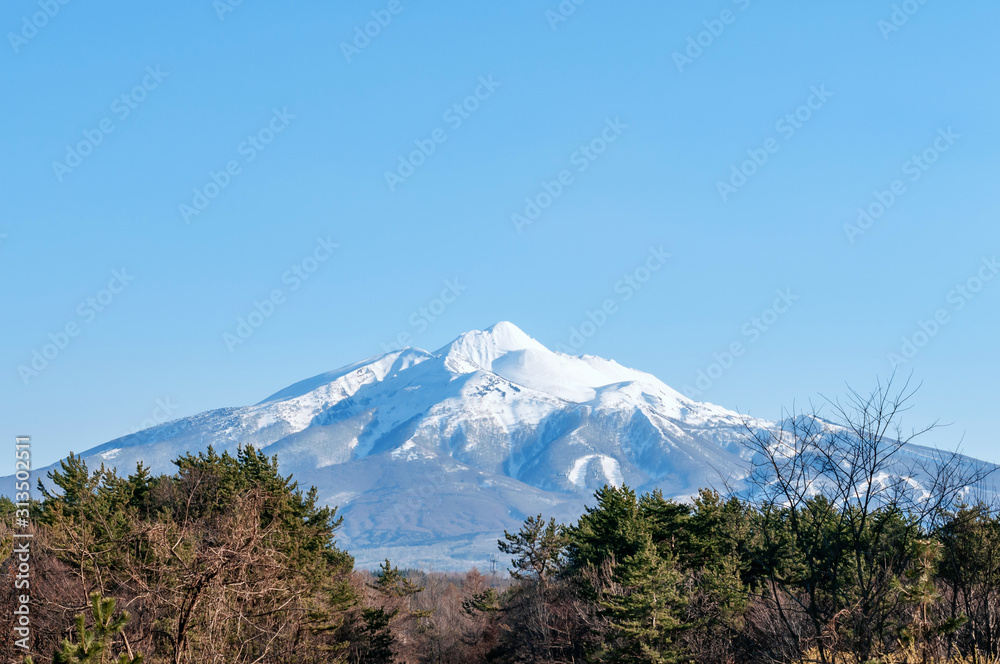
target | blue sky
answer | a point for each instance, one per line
(740, 138)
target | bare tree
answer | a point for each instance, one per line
(843, 501)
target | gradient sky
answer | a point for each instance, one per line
(158, 347)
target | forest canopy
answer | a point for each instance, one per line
(226, 560)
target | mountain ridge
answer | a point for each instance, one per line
(432, 455)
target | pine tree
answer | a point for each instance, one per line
(645, 612)
(392, 583)
(611, 531)
(538, 549)
(383, 623)
(668, 522)
(93, 645)
(921, 593)
(75, 481)
(376, 640)
(627, 546)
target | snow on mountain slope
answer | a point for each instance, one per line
(432, 455)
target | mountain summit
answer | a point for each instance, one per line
(430, 456)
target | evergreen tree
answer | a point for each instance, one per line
(94, 645)
(970, 567)
(919, 591)
(381, 623)
(537, 549)
(375, 642)
(611, 531)
(669, 524)
(645, 609)
(392, 583)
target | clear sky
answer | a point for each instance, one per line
(166, 166)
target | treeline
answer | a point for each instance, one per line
(832, 553)
(644, 579)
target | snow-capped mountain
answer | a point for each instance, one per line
(430, 456)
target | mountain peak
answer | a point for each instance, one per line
(432, 456)
(511, 336)
(484, 347)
